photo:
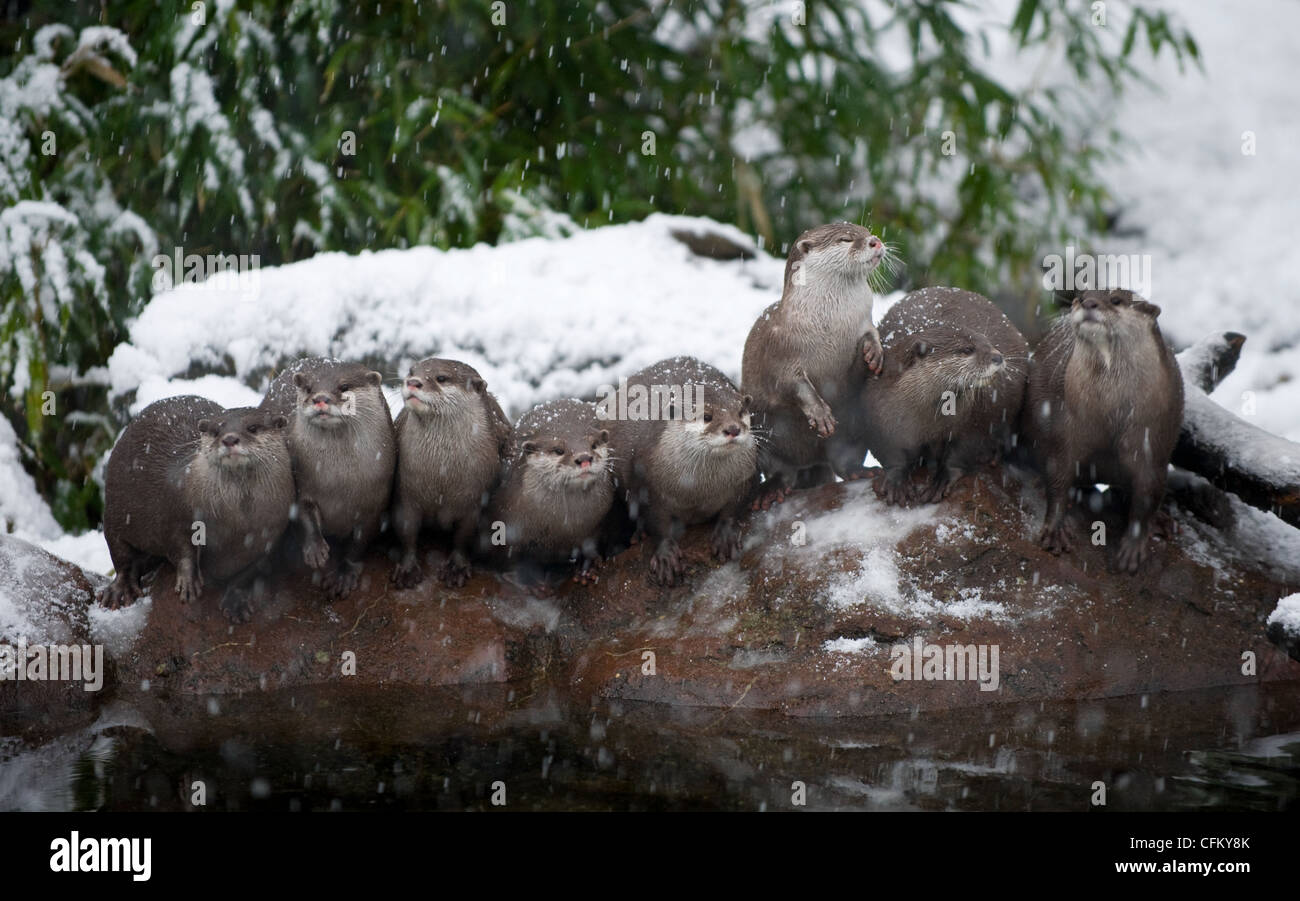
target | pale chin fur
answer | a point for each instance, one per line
(432, 402)
(333, 418)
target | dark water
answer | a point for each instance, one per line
(1235, 749)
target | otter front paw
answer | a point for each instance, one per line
(666, 565)
(1056, 539)
(872, 353)
(769, 497)
(456, 571)
(821, 419)
(407, 573)
(316, 553)
(725, 542)
(119, 593)
(339, 583)
(189, 585)
(894, 488)
(1133, 552)
(586, 573)
(237, 605)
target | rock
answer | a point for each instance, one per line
(43, 602)
(804, 623)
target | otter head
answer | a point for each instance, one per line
(436, 386)
(840, 251)
(241, 438)
(1101, 319)
(564, 456)
(944, 358)
(718, 425)
(330, 396)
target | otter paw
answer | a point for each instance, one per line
(895, 490)
(316, 553)
(1056, 539)
(769, 499)
(725, 542)
(1133, 552)
(188, 584)
(119, 593)
(586, 573)
(1164, 526)
(455, 572)
(666, 566)
(872, 353)
(339, 583)
(821, 421)
(237, 606)
(407, 573)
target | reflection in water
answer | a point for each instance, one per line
(1233, 749)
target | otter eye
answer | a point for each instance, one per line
(254, 429)
(968, 350)
(846, 239)
(442, 380)
(708, 417)
(343, 389)
(558, 451)
(1116, 300)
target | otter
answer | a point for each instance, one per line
(1104, 404)
(949, 395)
(344, 454)
(807, 355)
(207, 489)
(558, 488)
(691, 460)
(452, 440)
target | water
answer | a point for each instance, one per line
(404, 749)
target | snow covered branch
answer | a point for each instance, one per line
(1257, 466)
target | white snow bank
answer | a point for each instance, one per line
(21, 506)
(1287, 615)
(538, 318)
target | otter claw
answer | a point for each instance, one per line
(316, 553)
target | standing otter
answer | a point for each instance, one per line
(344, 452)
(950, 393)
(1104, 404)
(452, 439)
(209, 490)
(693, 461)
(807, 355)
(558, 488)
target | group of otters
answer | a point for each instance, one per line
(943, 386)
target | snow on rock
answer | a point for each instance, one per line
(21, 506)
(540, 319)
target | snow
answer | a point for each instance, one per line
(21, 506)
(540, 319)
(1287, 615)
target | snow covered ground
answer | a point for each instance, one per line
(547, 318)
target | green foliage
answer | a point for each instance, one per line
(286, 127)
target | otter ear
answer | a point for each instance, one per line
(529, 447)
(1146, 308)
(300, 379)
(374, 378)
(205, 426)
(918, 351)
(805, 247)
(477, 384)
(745, 402)
(279, 422)
(602, 437)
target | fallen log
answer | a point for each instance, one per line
(1259, 467)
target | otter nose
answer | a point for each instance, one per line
(583, 460)
(1092, 304)
(732, 430)
(996, 358)
(414, 384)
(230, 440)
(321, 400)
(873, 242)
